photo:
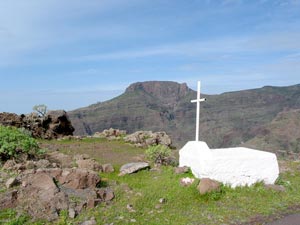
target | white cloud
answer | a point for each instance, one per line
(222, 48)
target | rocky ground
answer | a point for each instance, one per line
(45, 187)
(55, 182)
(68, 179)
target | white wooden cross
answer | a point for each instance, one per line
(198, 100)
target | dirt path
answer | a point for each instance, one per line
(288, 220)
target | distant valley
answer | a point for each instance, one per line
(267, 118)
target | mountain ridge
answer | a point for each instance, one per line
(227, 119)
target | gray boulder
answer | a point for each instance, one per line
(133, 167)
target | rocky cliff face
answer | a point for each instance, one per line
(228, 119)
(166, 92)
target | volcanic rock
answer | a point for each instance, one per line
(55, 124)
(207, 185)
(133, 167)
(89, 164)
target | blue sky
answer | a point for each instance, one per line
(72, 53)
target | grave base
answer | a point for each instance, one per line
(232, 166)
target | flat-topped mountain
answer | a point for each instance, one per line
(227, 119)
(166, 92)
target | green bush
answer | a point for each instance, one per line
(159, 154)
(14, 142)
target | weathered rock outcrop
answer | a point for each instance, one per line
(110, 134)
(55, 124)
(147, 138)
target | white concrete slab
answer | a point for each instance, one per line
(232, 166)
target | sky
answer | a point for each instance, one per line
(72, 53)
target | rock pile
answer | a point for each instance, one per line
(45, 187)
(55, 124)
(110, 134)
(148, 138)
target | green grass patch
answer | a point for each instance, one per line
(184, 205)
(137, 195)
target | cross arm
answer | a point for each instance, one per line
(199, 100)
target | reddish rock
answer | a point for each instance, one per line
(8, 199)
(89, 164)
(65, 161)
(105, 194)
(79, 179)
(207, 185)
(180, 170)
(41, 198)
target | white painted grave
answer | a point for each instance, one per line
(232, 166)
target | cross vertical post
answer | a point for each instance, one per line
(198, 100)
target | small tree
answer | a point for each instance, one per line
(40, 109)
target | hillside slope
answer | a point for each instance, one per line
(281, 134)
(228, 119)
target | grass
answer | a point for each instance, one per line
(10, 217)
(116, 152)
(183, 205)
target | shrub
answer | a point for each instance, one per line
(159, 154)
(14, 142)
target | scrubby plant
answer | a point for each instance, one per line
(159, 154)
(282, 182)
(14, 142)
(216, 194)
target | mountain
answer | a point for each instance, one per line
(227, 119)
(280, 135)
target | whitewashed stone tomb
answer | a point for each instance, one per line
(232, 166)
